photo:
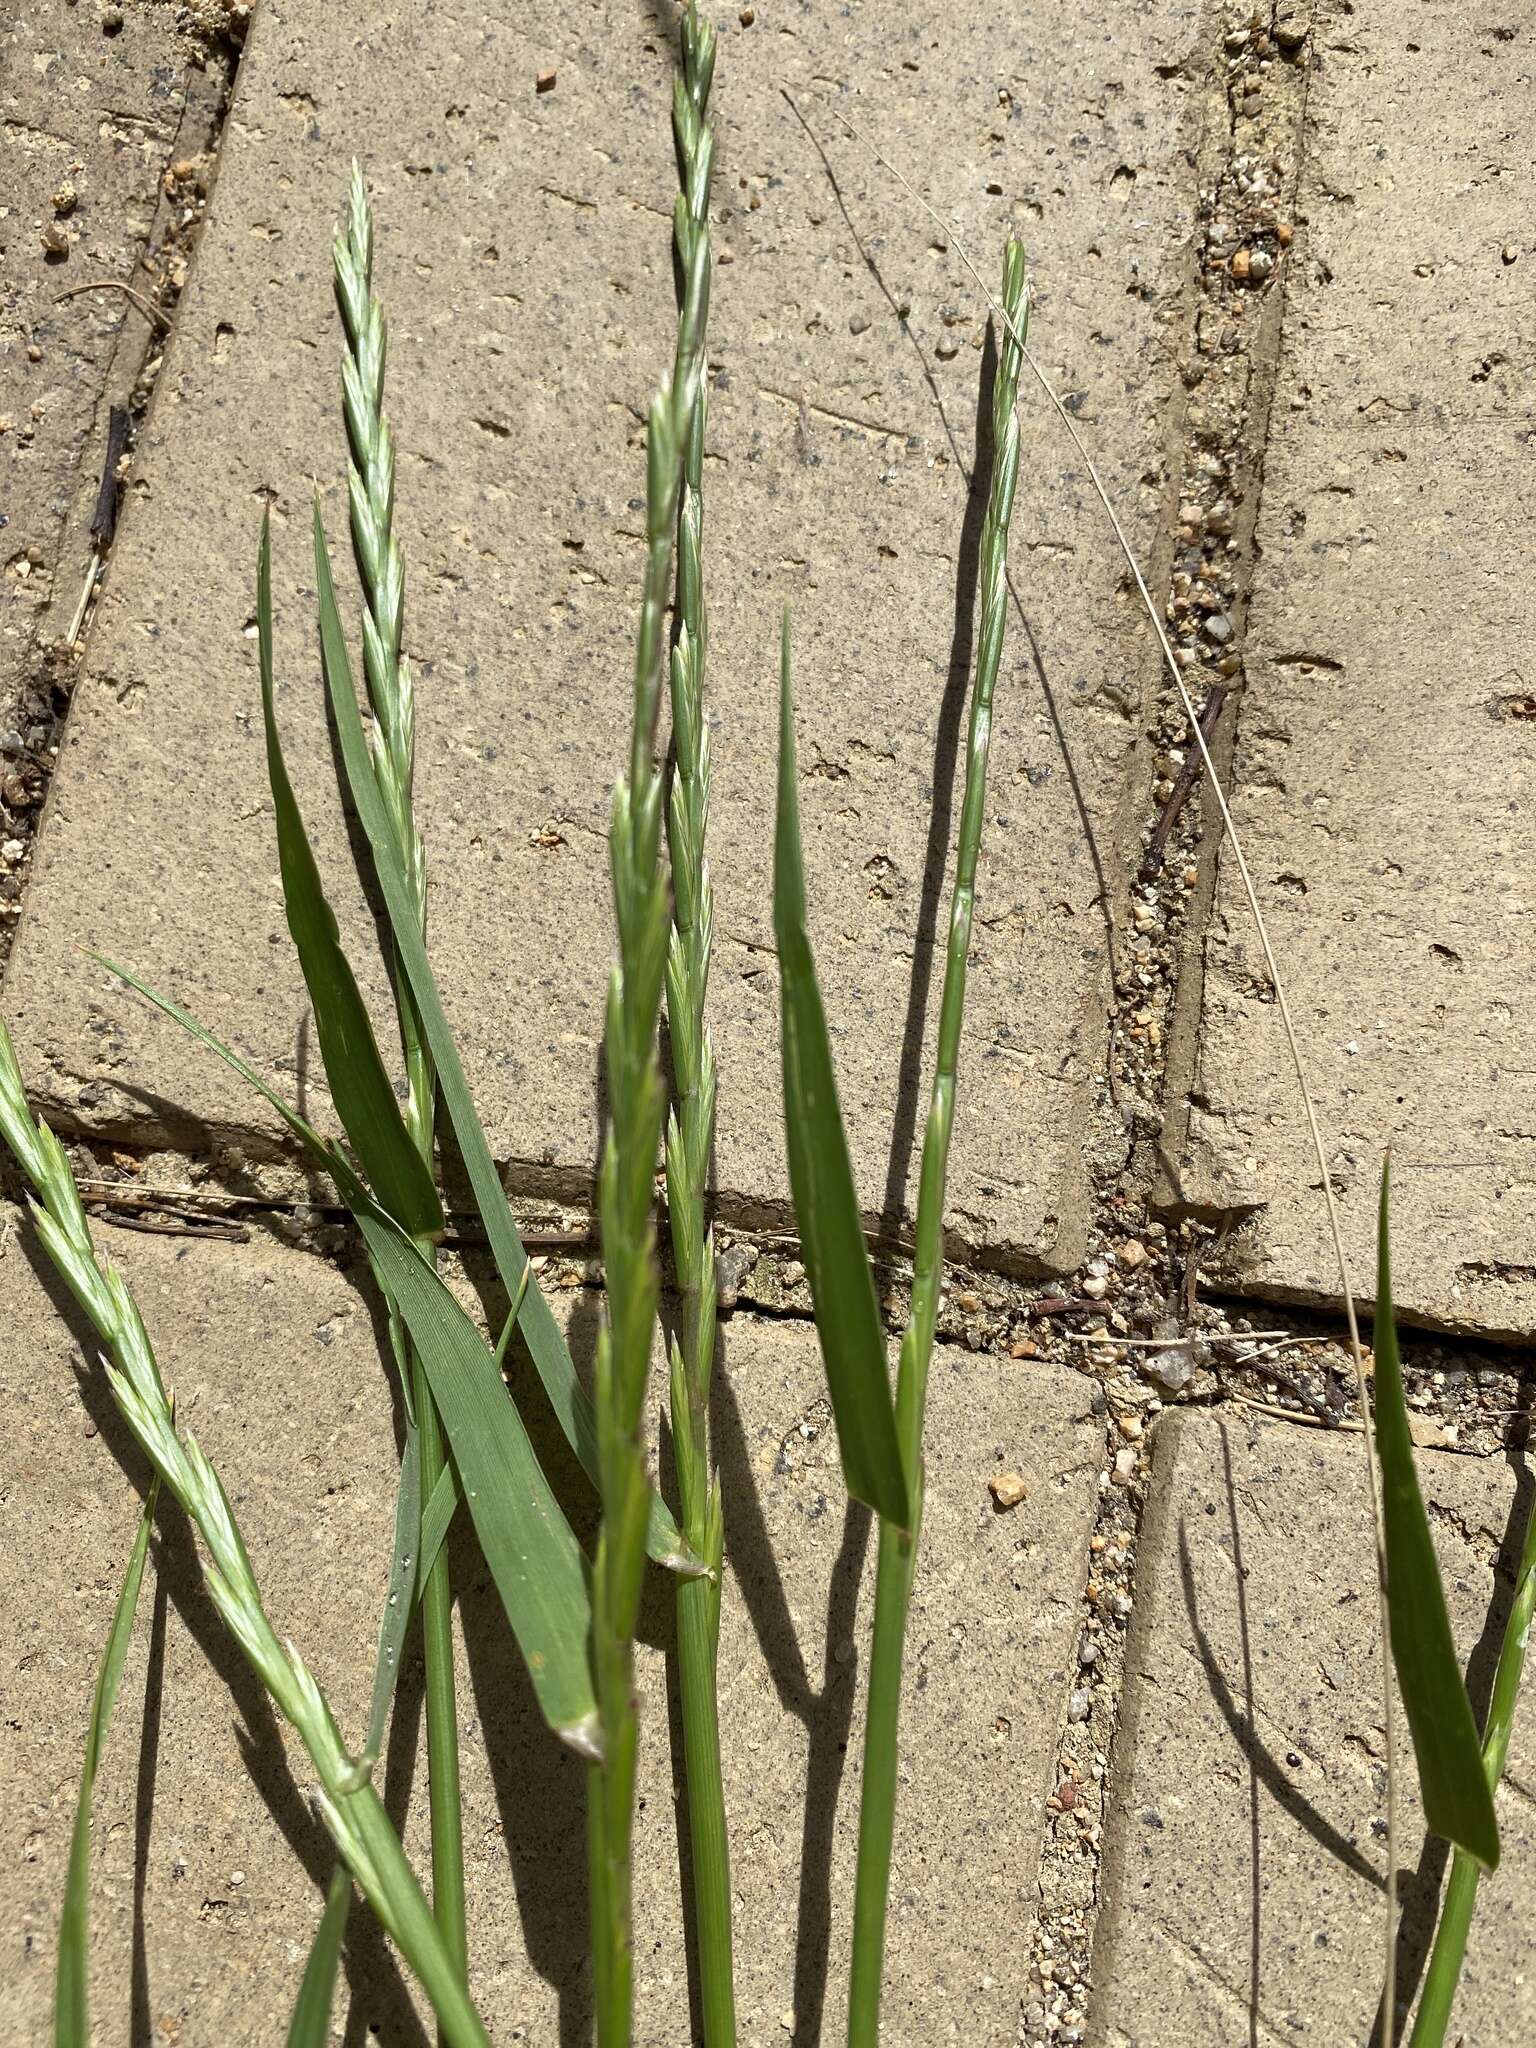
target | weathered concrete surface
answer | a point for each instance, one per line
(90, 121)
(523, 252)
(272, 1353)
(1385, 745)
(1244, 1864)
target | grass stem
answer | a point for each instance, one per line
(690, 1136)
(898, 1549)
(626, 1191)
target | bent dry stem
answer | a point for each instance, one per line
(690, 1135)
(898, 1547)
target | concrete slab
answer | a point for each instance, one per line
(1384, 754)
(523, 251)
(273, 1355)
(1244, 1857)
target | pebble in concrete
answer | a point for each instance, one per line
(1388, 726)
(273, 1356)
(1244, 1856)
(523, 250)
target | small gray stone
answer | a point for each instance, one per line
(1172, 1369)
(731, 1267)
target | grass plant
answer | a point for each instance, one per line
(691, 1123)
(346, 1800)
(465, 1442)
(1410, 1597)
(826, 1209)
(626, 1196)
(392, 698)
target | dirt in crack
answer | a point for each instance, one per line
(1150, 1342)
(109, 139)
(1245, 236)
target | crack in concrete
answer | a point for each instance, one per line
(1249, 177)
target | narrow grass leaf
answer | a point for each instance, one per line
(1452, 1779)
(534, 1557)
(310, 2026)
(546, 1346)
(528, 1544)
(821, 1176)
(71, 2005)
(1443, 1974)
(359, 1085)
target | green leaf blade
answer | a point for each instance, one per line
(541, 1333)
(71, 2006)
(1453, 1780)
(354, 1070)
(310, 2026)
(821, 1177)
(534, 1557)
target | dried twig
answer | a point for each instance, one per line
(1188, 776)
(147, 307)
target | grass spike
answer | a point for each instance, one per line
(391, 695)
(690, 1127)
(626, 1202)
